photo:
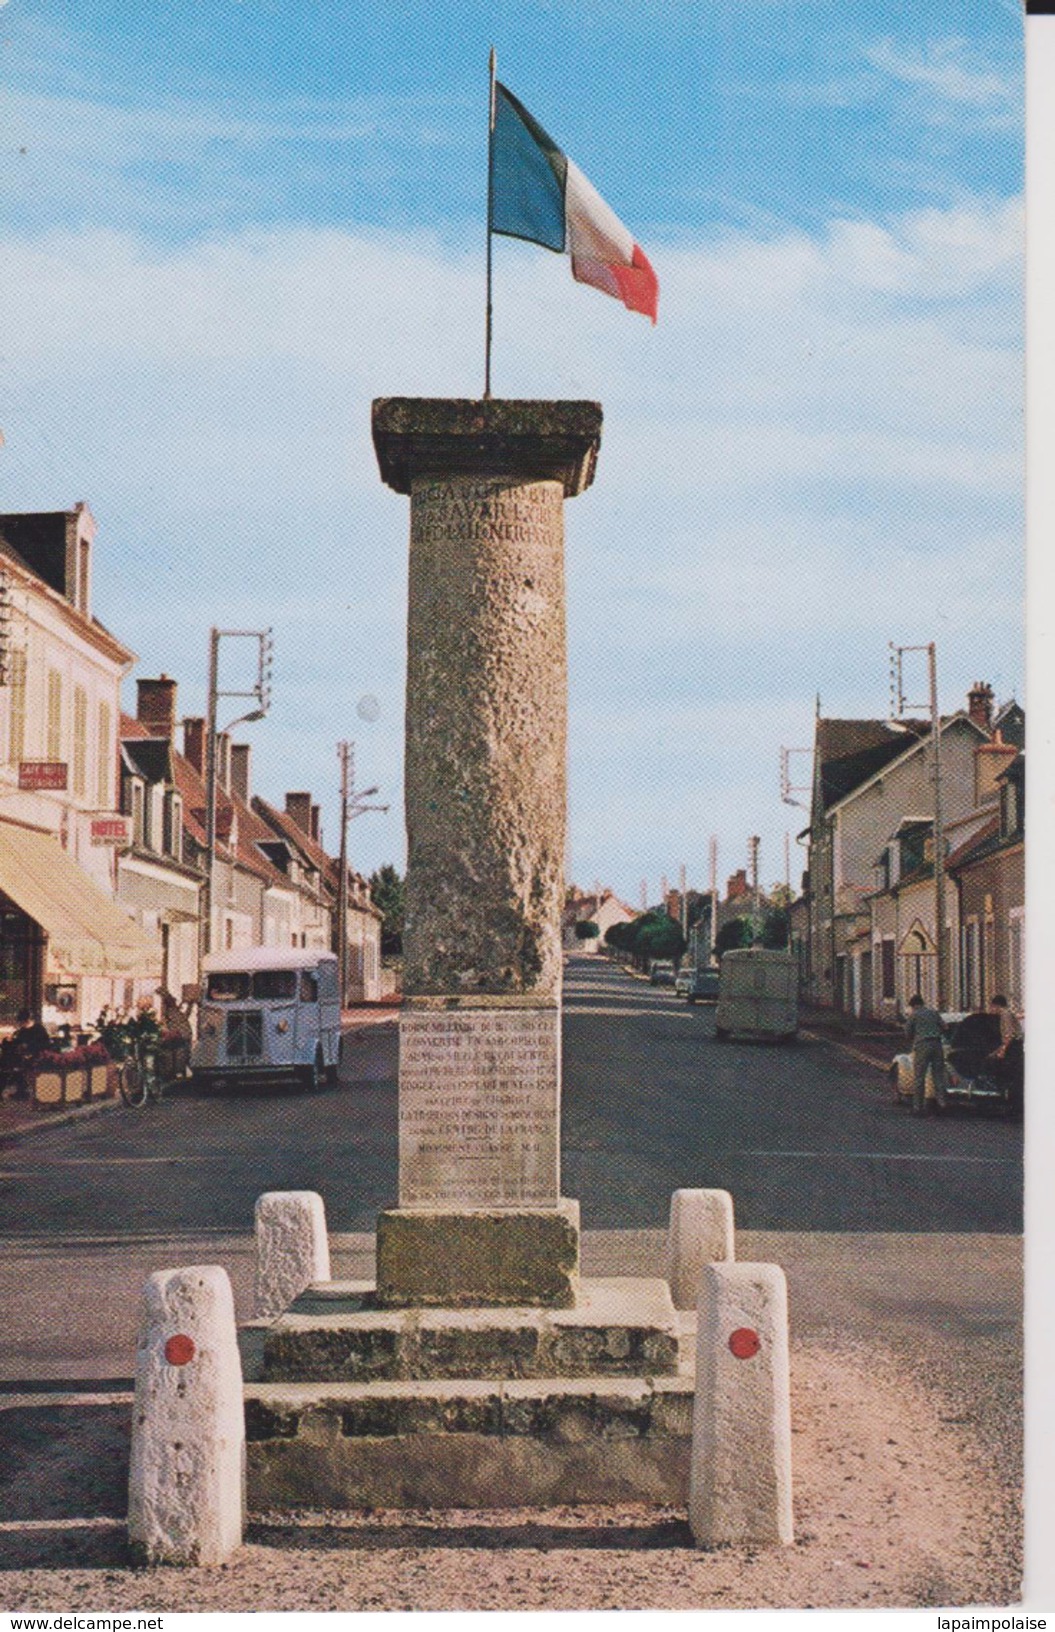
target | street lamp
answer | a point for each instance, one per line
(261, 695)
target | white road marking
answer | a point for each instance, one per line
(14, 1526)
(879, 1156)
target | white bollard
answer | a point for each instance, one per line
(186, 1486)
(700, 1232)
(292, 1247)
(740, 1481)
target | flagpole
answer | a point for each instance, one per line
(490, 201)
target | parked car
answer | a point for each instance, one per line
(684, 979)
(698, 985)
(758, 994)
(972, 1075)
(267, 1014)
(661, 972)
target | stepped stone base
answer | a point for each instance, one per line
(525, 1443)
(464, 1259)
(353, 1405)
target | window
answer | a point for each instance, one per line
(102, 791)
(309, 988)
(988, 958)
(16, 745)
(80, 742)
(53, 747)
(1016, 952)
(889, 979)
(226, 988)
(173, 840)
(270, 985)
(972, 974)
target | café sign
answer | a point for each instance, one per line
(111, 830)
(40, 775)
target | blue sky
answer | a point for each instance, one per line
(229, 226)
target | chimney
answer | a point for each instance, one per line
(991, 760)
(298, 808)
(194, 744)
(240, 754)
(980, 705)
(736, 886)
(156, 705)
(315, 828)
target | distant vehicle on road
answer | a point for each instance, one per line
(267, 1014)
(701, 985)
(972, 1075)
(758, 995)
(661, 972)
(684, 979)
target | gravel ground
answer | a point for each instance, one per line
(907, 1493)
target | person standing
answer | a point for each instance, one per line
(1008, 1061)
(926, 1034)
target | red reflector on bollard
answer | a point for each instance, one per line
(179, 1349)
(744, 1343)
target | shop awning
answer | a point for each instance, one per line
(88, 933)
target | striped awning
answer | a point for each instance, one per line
(88, 933)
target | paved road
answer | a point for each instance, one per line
(805, 1138)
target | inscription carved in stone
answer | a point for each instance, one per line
(479, 1101)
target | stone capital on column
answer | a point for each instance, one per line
(449, 436)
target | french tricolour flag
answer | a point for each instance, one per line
(537, 193)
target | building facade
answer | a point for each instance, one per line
(66, 947)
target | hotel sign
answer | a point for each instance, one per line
(112, 830)
(39, 775)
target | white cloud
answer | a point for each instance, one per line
(944, 68)
(816, 451)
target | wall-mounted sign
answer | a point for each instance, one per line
(111, 830)
(36, 775)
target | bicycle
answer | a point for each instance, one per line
(138, 1078)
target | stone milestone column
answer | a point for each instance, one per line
(480, 1217)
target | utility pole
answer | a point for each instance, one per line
(260, 693)
(351, 806)
(714, 897)
(752, 849)
(683, 892)
(644, 894)
(900, 705)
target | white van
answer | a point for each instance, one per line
(267, 1013)
(758, 994)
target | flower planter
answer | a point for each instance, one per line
(48, 1087)
(58, 1080)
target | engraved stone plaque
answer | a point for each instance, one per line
(479, 1107)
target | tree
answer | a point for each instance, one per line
(775, 927)
(587, 931)
(661, 940)
(619, 937)
(387, 892)
(734, 932)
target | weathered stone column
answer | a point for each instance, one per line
(480, 1218)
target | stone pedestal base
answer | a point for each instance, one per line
(352, 1406)
(468, 1259)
